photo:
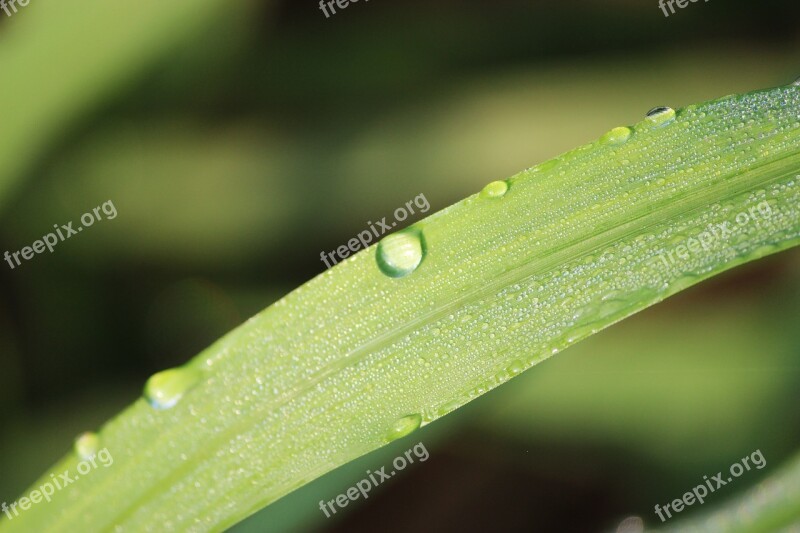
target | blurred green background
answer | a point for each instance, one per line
(238, 140)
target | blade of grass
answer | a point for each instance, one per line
(356, 358)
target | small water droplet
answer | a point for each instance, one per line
(660, 115)
(681, 283)
(516, 367)
(87, 444)
(404, 426)
(399, 254)
(796, 83)
(495, 189)
(164, 389)
(547, 165)
(616, 136)
(448, 407)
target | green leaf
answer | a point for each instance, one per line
(60, 60)
(403, 333)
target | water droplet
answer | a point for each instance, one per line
(683, 282)
(796, 83)
(547, 165)
(449, 407)
(495, 189)
(516, 367)
(165, 389)
(660, 115)
(404, 426)
(87, 444)
(399, 254)
(616, 136)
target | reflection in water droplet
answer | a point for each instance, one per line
(401, 253)
(616, 136)
(660, 115)
(495, 189)
(165, 389)
(404, 426)
(87, 444)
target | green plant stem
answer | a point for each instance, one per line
(507, 280)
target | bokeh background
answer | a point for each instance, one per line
(238, 140)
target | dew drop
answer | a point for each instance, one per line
(399, 254)
(516, 367)
(796, 83)
(164, 389)
(87, 444)
(660, 115)
(495, 189)
(404, 426)
(683, 282)
(449, 407)
(616, 136)
(547, 165)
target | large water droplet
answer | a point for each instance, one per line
(87, 444)
(660, 115)
(616, 136)
(399, 254)
(495, 189)
(404, 426)
(165, 389)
